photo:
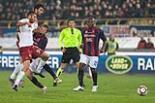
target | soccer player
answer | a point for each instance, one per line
(38, 9)
(27, 49)
(70, 40)
(91, 36)
(41, 40)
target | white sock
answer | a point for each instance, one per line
(89, 71)
(17, 69)
(20, 76)
(40, 66)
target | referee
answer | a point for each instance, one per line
(70, 40)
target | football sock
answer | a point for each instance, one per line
(17, 69)
(40, 65)
(49, 70)
(36, 82)
(89, 71)
(94, 76)
(20, 76)
(59, 72)
(80, 76)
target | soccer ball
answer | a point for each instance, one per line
(142, 90)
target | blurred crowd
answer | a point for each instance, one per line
(143, 44)
(79, 9)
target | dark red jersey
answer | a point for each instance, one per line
(91, 37)
(40, 40)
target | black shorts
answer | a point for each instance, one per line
(71, 53)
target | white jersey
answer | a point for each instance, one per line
(26, 33)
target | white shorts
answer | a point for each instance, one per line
(92, 61)
(34, 64)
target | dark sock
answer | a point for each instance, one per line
(36, 82)
(49, 70)
(94, 76)
(80, 76)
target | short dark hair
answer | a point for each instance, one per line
(30, 13)
(46, 26)
(71, 19)
(91, 18)
(39, 6)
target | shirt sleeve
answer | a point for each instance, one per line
(106, 46)
(80, 38)
(60, 40)
(117, 46)
(102, 36)
(24, 20)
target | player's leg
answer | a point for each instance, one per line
(39, 53)
(35, 81)
(61, 69)
(36, 71)
(34, 65)
(38, 84)
(15, 72)
(25, 54)
(94, 78)
(21, 74)
(83, 61)
(32, 78)
(93, 66)
(89, 73)
(66, 57)
(51, 72)
(44, 57)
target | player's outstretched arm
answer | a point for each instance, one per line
(22, 23)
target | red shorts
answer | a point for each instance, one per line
(27, 53)
(36, 52)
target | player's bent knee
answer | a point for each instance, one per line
(25, 68)
(45, 56)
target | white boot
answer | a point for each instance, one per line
(79, 88)
(44, 89)
(94, 88)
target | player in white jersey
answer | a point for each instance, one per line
(26, 28)
(38, 10)
(27, 50)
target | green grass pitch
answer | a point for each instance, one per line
(112, 89)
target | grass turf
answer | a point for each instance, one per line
(112, 89)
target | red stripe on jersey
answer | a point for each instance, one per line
(86, 47)
(92, 47)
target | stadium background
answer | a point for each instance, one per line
(128, 20)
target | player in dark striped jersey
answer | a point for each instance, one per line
(90, 47)
(41, 41)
